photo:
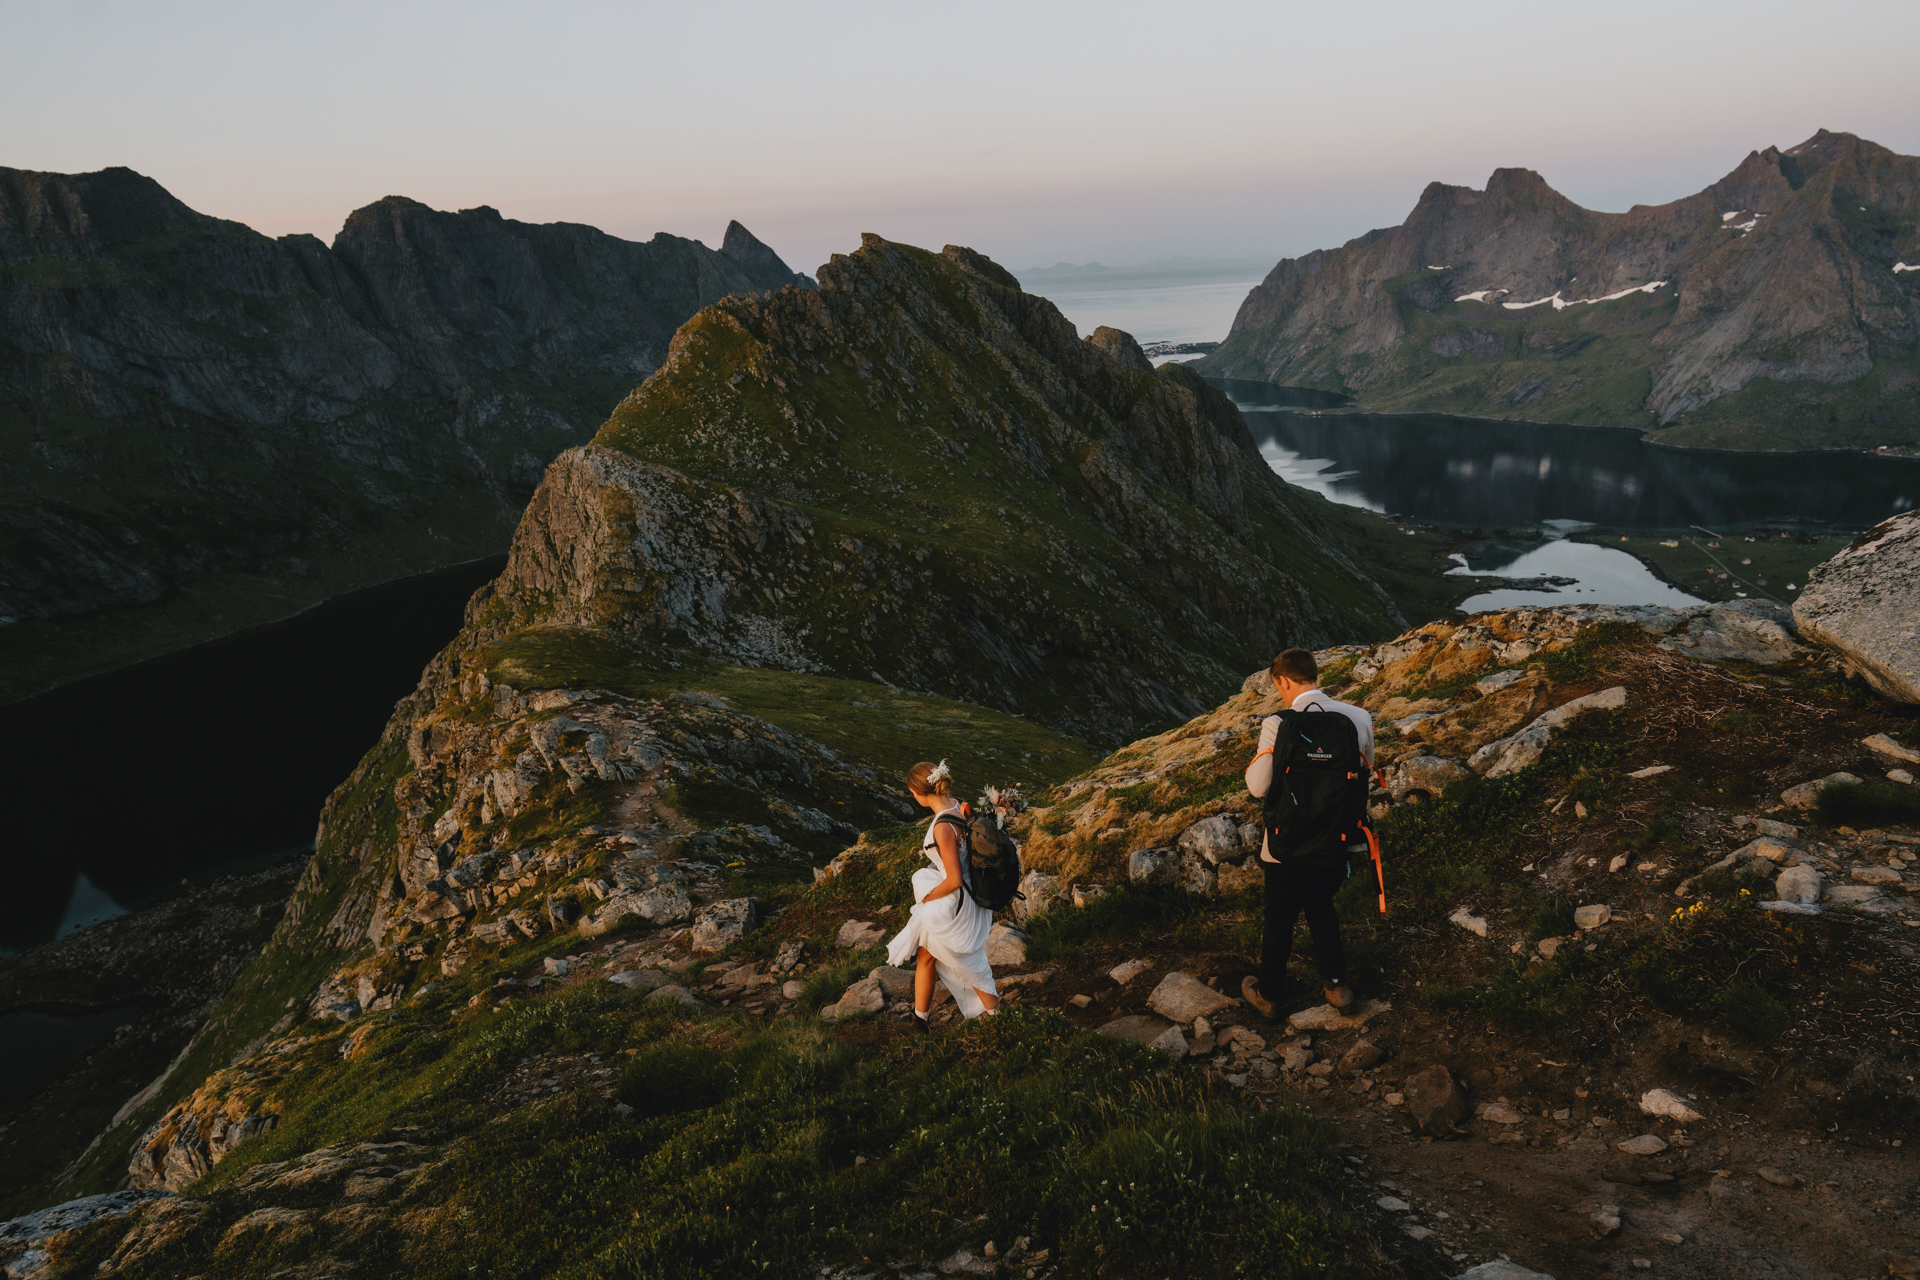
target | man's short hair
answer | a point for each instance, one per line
(1296, 665)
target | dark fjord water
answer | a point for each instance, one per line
(1475, 472)
(207, 761)
(1478, 473)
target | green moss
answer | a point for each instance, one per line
(858, 719)
(1127, 911)
(1592, 651)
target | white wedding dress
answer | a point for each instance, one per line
(953, 929)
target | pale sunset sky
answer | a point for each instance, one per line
(1035, 132)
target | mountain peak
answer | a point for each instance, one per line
(1638, 319)
(761, 264)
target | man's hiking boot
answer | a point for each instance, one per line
(1341, 997)
(1250, 989)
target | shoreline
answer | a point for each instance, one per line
(1644, 434)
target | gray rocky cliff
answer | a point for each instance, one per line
(1865, 604)
(1784, 277)
(190, 408)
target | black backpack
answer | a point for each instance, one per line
(989, 858)
(1317, 802)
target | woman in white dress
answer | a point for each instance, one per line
(947, 933)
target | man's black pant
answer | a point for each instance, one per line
(1290, 890)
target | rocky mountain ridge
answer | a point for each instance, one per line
(202, 427)
(563, 909)
(920, 474)
(1777, 308)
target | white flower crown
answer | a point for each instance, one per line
(939, 773)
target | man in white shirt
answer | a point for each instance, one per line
(1293, 889)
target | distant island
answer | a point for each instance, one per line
(1776, 309)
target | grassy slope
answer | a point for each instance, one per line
(859, 719)
(1712, 568)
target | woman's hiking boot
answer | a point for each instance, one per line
(1342, 998)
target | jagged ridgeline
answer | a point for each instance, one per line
(920, 474)
(202, 427)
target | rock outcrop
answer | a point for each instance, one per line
(1725, 317)
(268, 422)
(759, 263)
(919, 472)
(1865, 604)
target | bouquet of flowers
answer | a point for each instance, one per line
(1004, 803)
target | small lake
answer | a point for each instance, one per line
(208, 761)
(1481, 474)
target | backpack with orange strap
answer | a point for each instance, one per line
(1316, 806)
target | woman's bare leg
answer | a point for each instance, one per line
(923, 982)
(988, 999)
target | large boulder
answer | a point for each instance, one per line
(1197, 875)
(1153, 866)
(1807, 794)
(1865, 604)
(1516, 752)
(1217, 839)
(1006, 946)
(1038, 890)
(1756, 631)
(665, 902)
(1232, 878)
(725, 923)
(1434, 1102)
(1182, 999)
(1424, 777)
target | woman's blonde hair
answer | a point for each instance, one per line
(930, 779)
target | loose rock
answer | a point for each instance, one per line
(1364, 1054)
(1888, 746)
(1182, 999)
(1664, 1102)
(641, 980)
(1476, 925)
(864, 996)
(1593, 916)
(1434, 1102)
(1807, 794)
(1129, 970)
(858, 935)
(1647, 1144)
(1006, 946)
